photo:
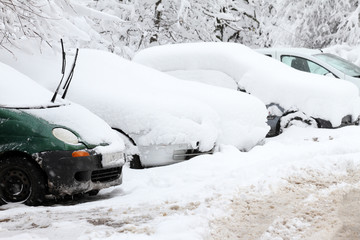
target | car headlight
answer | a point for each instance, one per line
(65, 135)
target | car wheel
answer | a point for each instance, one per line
(93, 192)
(133, 158)
(135, 162)
(21, 181)
(295, 118)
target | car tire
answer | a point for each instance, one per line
(135, 162)
(295, 118)
(21, 181)
(93, 192)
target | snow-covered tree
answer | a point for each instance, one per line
(309, 23)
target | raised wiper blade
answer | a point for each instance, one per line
(62, 71)
(69, 78)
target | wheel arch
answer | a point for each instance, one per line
(126, 135)
(135, 161)
(10, 154)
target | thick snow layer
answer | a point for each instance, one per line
(153, 107)
(18, 90)
(261, 76)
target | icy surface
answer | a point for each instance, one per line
(261, 76)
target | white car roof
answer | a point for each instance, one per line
(306, 51)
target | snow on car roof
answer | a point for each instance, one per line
(263, 77)
(19, 91)
(164, 109)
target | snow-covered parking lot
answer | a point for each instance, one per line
(303, 184)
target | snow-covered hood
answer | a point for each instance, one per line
(263, 77)
(90, 128)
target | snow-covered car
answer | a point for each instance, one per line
(291, 96)
(51, 149)
(315, 61)
(168, 120)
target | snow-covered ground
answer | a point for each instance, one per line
(303, 184)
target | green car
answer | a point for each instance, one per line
(51, 149)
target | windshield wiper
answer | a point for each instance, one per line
(62, 71)
(70, 76)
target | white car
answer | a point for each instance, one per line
(291, 96)
(166, 119)
(315, 61)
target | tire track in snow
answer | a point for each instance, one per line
(313, 205)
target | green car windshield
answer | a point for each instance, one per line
(339, 63)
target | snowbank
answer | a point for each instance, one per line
(265, 78)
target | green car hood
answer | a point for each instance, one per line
(30, 130)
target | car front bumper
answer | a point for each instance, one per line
(160, 155)
(68, 175)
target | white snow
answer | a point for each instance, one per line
(153, 107)
(185, 200)
(13, 96)
(261, 76)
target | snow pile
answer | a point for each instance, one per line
(261, 76)
(152, 107)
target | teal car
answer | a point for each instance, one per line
(51, 149)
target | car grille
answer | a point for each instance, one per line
(106, 175)
(187, 154)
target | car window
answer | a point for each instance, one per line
(304, 64)
(341, 64)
